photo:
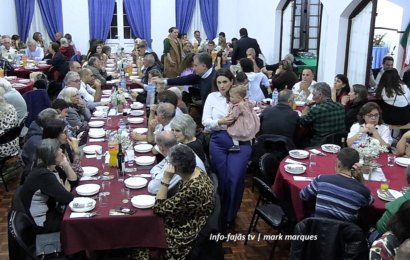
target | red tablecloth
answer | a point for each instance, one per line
(288, 189)
(142, 229)
(129, 84)
(25, 73)
(28, 86)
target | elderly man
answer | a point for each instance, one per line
(281, 119)
(327, 117)
(257, 62)
(149, 64)
(168, 96)
(181, 104)
(388, 62)
(186, 49)
(165, 141)
(8, 52)
(74, 66)
(197, 39)
(204, 74)
(241, 46)
(94, 65)
(255, 80)
(305, 87)
(58, 37)
(33, 52)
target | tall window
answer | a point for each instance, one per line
(120, 33)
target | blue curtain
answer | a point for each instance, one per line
(24, 13)
(52, 14)
(184, 10)
(100, 14)
(209, 15)
(139, 18)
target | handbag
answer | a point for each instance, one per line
(48, 245)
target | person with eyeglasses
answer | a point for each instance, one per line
(370, 124)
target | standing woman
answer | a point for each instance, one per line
(230, 167)
(172, 52)
(341, 88)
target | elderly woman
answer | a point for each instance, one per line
(48, 186)
(8, 120)
(230, 167)
(56, 58)
(284, 76)
(173, 52)
(396, 98)
(66, 49)
(341, 89)
(357, 97)
(39, 39)
(14, 98)
(370, 123)
(17, 43)
(57, 129)
(34, 52)
(184, 129)
(78, 113)
(187, 211)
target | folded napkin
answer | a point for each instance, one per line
(293, 161)
(315, 151)
(79, 215)
(98, 118)
(96, 140)
(301, 178)
(107, 157)
(113, 112)
(90, 156)
(376, 174)
(127, 110)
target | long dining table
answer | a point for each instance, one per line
(105, 232)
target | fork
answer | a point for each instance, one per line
(92, 214)
(388, 194)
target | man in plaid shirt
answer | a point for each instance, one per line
(5, 65)
(327, 117)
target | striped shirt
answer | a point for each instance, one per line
(337, 197)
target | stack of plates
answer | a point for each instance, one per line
(88, 189)
(110, 65)
(145, 160)
(135, 182)
(402, 161)
(143, 148)
(137, 106)
(10, 78)
(295, 168)
(81, 204)
(140, 130)
(330, 148)
(101, 108)
(90, 149)
(143, 201)
(135, 120)
(90, 171)
(137, 112)
(382, 195)
(96, 123)
(98, 113)
(298, 154)
(300, 103)
(98, 133)
(137, 90)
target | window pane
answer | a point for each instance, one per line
(314, 10)
(127, 32)
(313, 32)
(126, 21)
(297, 20)
(297, 32)
(296, 44)
(312, 44)
(114, 32)
(115, 9)
(114, 20)
(313, 21)
(314, 1)
(298, 10)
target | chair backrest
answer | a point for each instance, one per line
(265, 191)
(269, 143)
(37, 101)
(23, 231)
(335, 138)
(268, 166)
(195, 93)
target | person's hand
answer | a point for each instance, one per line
(172, 63)
(153, 123)
(157, 80)
(97, 83)
(333, 90)
(364, 130)
(277, 72)
(64, 163)
(269, 90)
(135, 136)
(205, 132)
(73, 142)
(169, 173)
(139, 63)
(357, 172)
(310, 103)
(371, 128)
(371, 73)
(134, 81)
(344, 100)
(81, 104)
(225, 121)
(107, 103)
(304, 85)
(153, 108)
(134, 94)
(264, 70)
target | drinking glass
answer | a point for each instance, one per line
(390, 159)
(125, 195)
(105, 168)
(107, 133)
(120, 175)
(98, 153)
(109, 122)
(103, 200)
(106, 186)
(312, 163)
(130, 157)
(384, 185)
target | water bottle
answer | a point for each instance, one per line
(122, 126)
(150, 94)
(275, 95)
(17, 61)
(123, 84)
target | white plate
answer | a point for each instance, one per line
(29, 67)
(24, 81)
(134, 77)
(137, 90)
(109, 69)
(298, 154)
(300, 103)
(96, 123)
(10, 78)
(135, 120)
(106, 92)
(145, 160)
(90, 171)
(143, 201)
(137, 112)
(82, 200)
(42, 62)
(90, 149)
(126, 95)
(42, 65)
(137, 106)
(18, 85)
(31, 61)
(110, 65)
(396, 194)
(98, 113)
(136, 182)
(88, 189)
(330, 148)
(402, 161)
(102, 108)
(140, 130)
(143, 148)
(295, 168)
(96, 134)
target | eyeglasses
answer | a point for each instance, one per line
(175, 130)
(373, 116)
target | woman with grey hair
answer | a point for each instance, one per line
(188, 210)
(14, 98)
(66, 49)
(48, 186)
(8, 120)
(78, 114)
(184, 129)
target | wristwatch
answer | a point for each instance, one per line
(165, 184)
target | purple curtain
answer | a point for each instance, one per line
(24, 13)
(100, 14)
(184, 10)
(209, 15)
(139, 18)
(52, 14)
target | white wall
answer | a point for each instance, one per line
(8, 18)
(162, 18)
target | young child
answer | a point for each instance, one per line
(246, 123)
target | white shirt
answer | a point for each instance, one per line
(400, 101)
(383, 130)
(215, 108)
(6, 53)
(157, 172)
(216, 41)
(302, 94)
(207, 74)
(255, 80)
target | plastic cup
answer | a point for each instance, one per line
(103, 200)
(106, 186)
(390, 159)
(98, 153)
(125, 195)
(312, 163)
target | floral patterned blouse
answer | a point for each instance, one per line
(9, 119)
(384, 248)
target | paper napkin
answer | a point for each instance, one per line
(301, 178)
(79, 215)
(376, 174)
(293, 161)
(90, 156)
(315, 151)
(96, 140)
(113, 112)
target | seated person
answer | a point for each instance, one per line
(305, 87)
(94, 65)
(14, 98)
(403, 146)
(327, 117)
(181, 104)
(340, 196)
(257, 62)
(188, 210)
(222, 61)
(144, 66)
(268, 69)
(376, 74)
(255, 81)
(165, 141)
(48, 186)
(341, 89)
(62, 108)
(283, 113)
(403, 252)
(385, 247)
(142, 97)
(168, 96)
(370, 124)
(392, 207)
(56, 58)
(34, 52)
(8, 120)
(284, 76)
(78, 113)
(357, 98)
